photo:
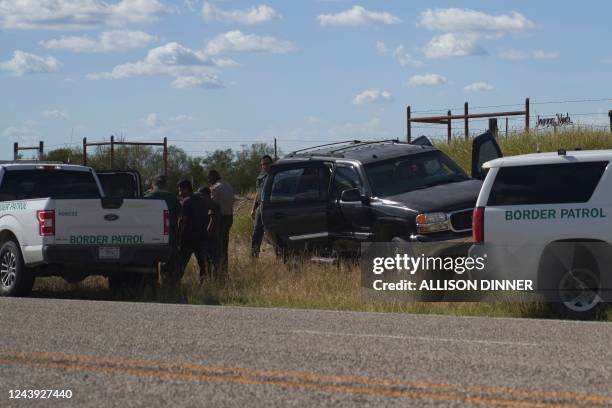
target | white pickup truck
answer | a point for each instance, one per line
(55, 220)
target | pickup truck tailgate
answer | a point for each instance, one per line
(113, 222)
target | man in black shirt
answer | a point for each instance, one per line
(193, 226)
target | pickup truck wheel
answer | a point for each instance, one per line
(15, 278)
(579, 294)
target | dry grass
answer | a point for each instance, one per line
(268, 282)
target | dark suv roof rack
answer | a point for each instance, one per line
(360, 144)
(323, 145)
(349, 144)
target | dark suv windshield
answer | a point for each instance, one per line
(413, 172)
(30, 184)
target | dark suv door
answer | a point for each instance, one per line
(294, 208)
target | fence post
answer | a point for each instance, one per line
(408, 125)
(15, 151)
(448, 128)
(275, 151)
(526, 115)
(166, 156)
(610, 115)
(506, 126)
(41, 150)
(84, 151)
(466, 123)
(112, 151)
(493, 126)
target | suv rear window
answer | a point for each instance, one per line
(546, 183)
(30, 184)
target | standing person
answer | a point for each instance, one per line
(258, 227)
(192, 228)
(159, 191)
(223, 194)
(213, 230)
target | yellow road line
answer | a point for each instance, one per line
(287, 384)
(140, 364)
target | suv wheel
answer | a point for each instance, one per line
(15, 278)
(579, 294)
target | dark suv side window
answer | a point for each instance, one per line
(301, 184)
(31, 184)
(546, 183)
(345, 178)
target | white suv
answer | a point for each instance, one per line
(548, 217)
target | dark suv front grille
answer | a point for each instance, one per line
(461, 220)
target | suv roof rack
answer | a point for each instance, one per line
(323, 145)
(360, 144)
(350, 144)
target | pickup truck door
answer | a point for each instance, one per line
(294, 206)
(484, 149)
(124, 184)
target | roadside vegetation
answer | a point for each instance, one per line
(268, 282)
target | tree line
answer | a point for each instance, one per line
(238, 167)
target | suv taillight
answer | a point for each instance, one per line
(166, 222)
(478, 224)
(46, 222)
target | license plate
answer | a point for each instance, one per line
(109, 252)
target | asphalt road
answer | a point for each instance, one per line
(158, 355)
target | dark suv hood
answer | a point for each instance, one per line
(445, 197)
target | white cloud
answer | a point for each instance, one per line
(372, 96)
(235, 41)
(541, 54)
(453, 45)
(472, 21)
(517, 55)
(25, 133)
(405, 59)
(513, 55)
(478, 87)
(253, 15)
(152, 120)
(55, 114)
(427, 80)
(107, 41)
(183, 118)
(77, 14)
(357, 16)
(382, 47)
(206, 81)
(169, 59)
(25, 63)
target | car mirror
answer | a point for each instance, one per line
(351, 195)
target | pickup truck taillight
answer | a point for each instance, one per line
(478, 224)
(166, 222)
(46, 222)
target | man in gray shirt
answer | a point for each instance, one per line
(222, 194)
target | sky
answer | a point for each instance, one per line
(222, 74)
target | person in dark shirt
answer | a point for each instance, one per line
(212, 244)
(192, 228)
(159, 192)
(258, 227)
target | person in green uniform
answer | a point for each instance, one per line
(258, 227)
(159, 192)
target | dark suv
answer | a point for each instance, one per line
(331, 198)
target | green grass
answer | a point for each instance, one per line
(268, 282)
